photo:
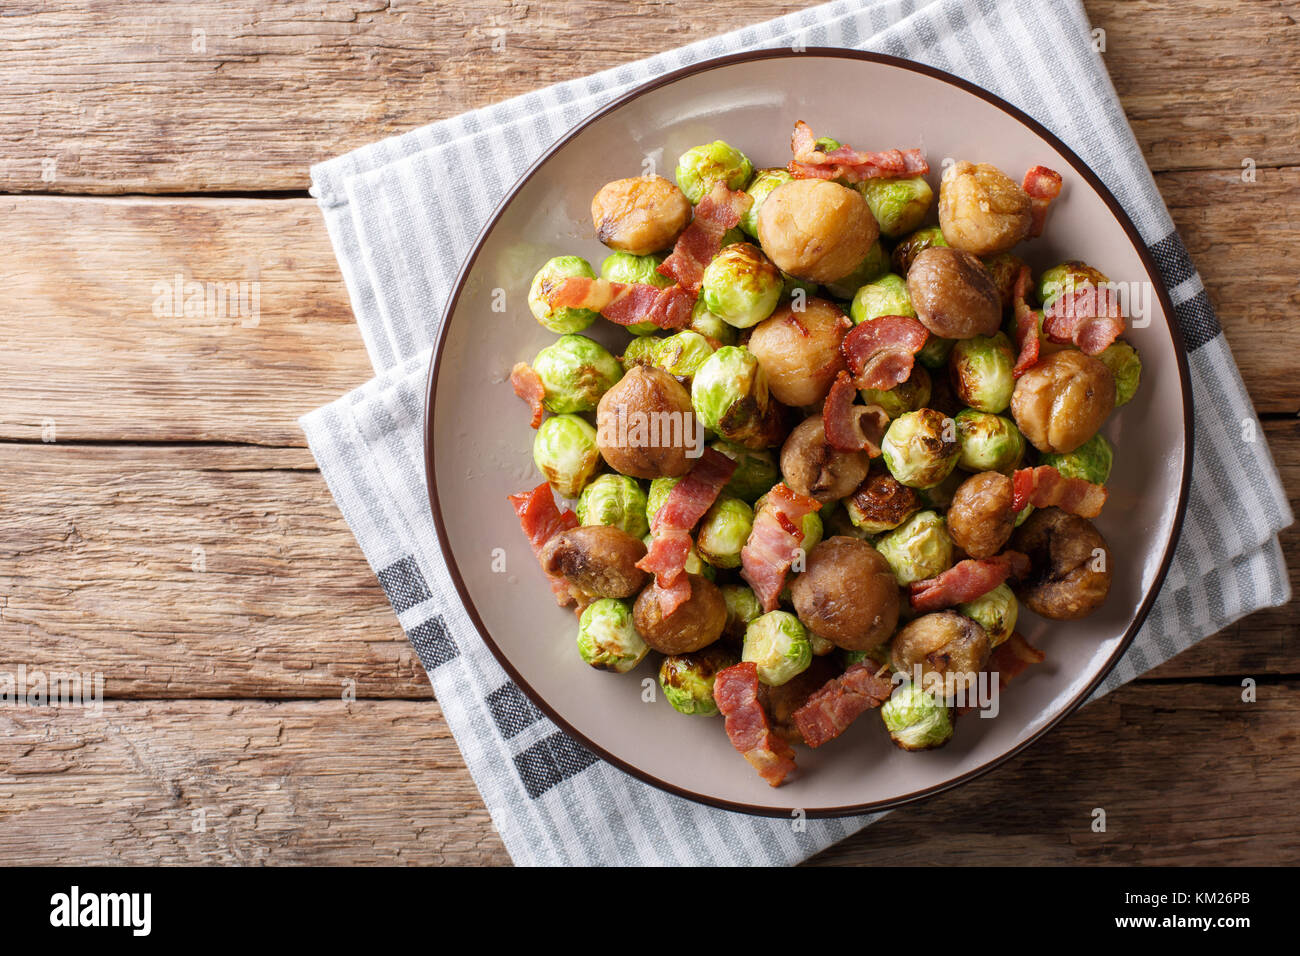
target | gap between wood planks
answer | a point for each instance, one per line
(277, 194)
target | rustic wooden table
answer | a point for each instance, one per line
(164, 525)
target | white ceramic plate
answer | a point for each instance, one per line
(478, 442)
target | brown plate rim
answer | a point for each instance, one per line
(1144, 254)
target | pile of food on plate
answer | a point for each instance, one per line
(841, 447)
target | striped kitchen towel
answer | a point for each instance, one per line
(403, 214)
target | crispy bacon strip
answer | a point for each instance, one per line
(541, 520)
(966, 581)
(830, 711)
(1044, 487)
(623, 303)
(667, 554)
(1027, 321)
(672, 596)
(735, 691)
(695, 494)
(851, 427)
(767, 555)
(1043, 185)
(528, 386)
(1086, 316)
(1012, 656)
(720, 210)
(681, 511)
(880, 352)
(849, 164)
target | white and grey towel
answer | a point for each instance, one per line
(402, 215)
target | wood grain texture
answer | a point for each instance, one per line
(100, 364)
(191, 572)
(1252, 287)
(321, 782)
(1186, 773)
(107, 356)
(97, 573)
(97, 542)
(209, 95)
(1206, 83)
(226, 782)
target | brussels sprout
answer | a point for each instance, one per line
(812, 529)
(981, 372)
(697, 565)
(939, 497)
(917, 549)
(659, 488)
(607, 638)
(934, 353)
(1067, 277)
(899, 205)
(741, 286)
(884, 296)
(564, 450)
(702, 166)
(995, 611)
(1091, 461)
(915, 719)
(872, 267)
(1126, 366)
(617, 501)
(765, 180)
(792, 285)
(687, 679)
(560, 320)
(575, 371)
(729, 393)
(723, 531)
(756, 470)
(879, 504)
(910, 396)
(779, 645)
(909, 248)
(742, 607)
(849, 658)
(844, 521)
(920, 448)
(682, 353)
(710, 325)
(821, 646)
(731, 237)
(640, 351)
(625, 267)
(988, 442)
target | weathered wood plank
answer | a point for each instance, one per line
(191, 572)
(107, 355)
(1253, 288)
(1223, 770)
(109, 96)
(1206, 83)
(1267, 642)
(99, 364)
(225, 782)
(323, 782)
(97, 573)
